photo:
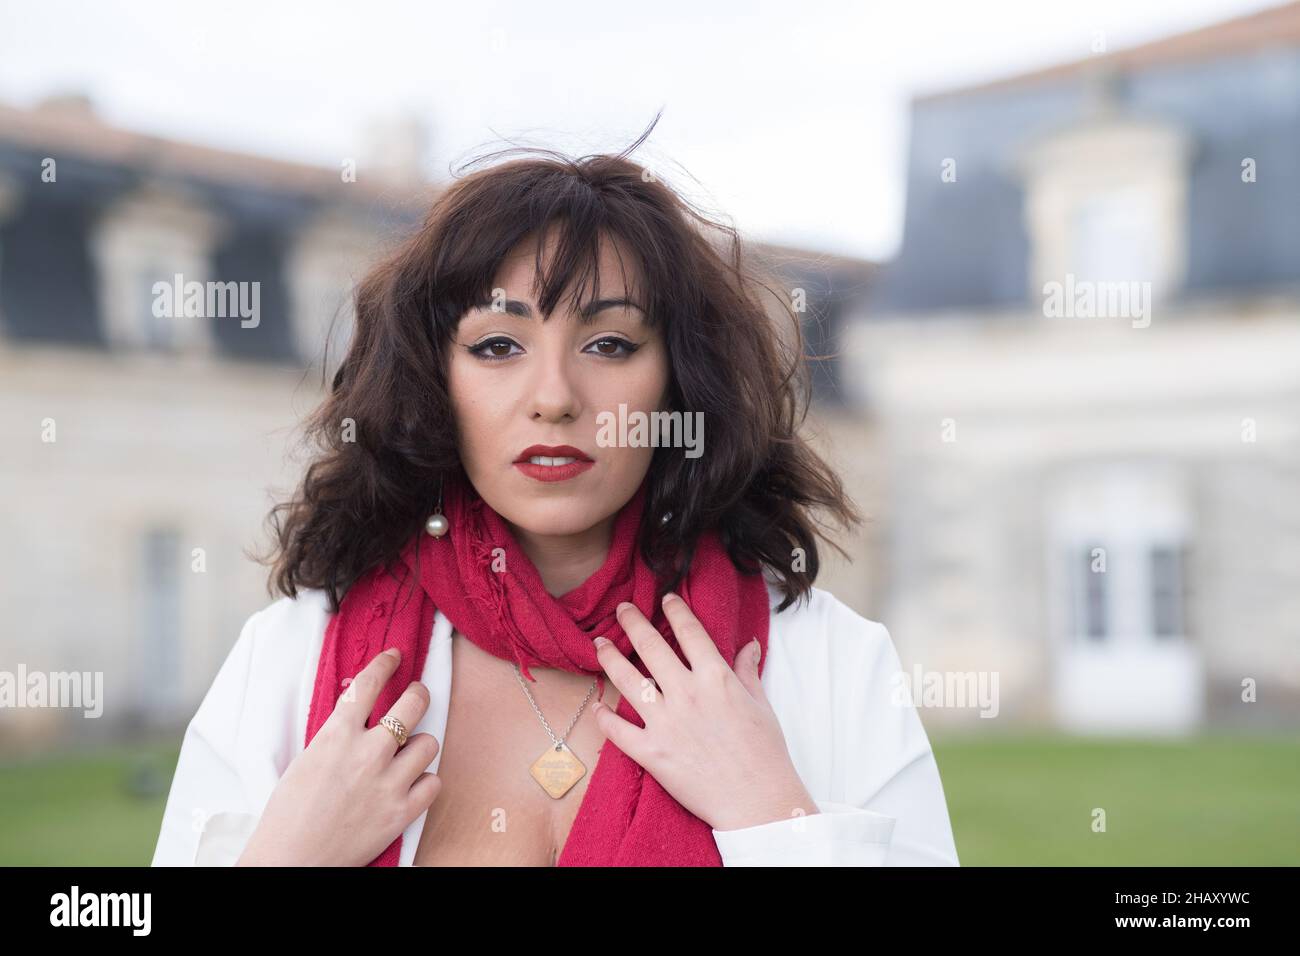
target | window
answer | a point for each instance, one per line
(1121, 536)
(1168, 611)
(1106, 201)
(153, 236)
(1153, 584)
(156, 332)
(1139, 596)
(1121, 657)
(1095, 623)
(322, 268)
(160, 622)
(8, 203)
(1113, 237)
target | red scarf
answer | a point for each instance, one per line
(626, 818)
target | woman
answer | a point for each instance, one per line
(561, 477)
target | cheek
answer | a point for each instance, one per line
(654, 390)
(472, 414)
(641, 386)
(468, 386)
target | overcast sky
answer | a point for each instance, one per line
(791, 115)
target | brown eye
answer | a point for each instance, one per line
(488, 350)
(616, 344)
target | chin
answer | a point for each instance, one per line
(568, 514)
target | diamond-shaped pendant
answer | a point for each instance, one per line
(557, 770)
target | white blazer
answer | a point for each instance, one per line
(829, 675)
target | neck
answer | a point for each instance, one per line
(566, 561)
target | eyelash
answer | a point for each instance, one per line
(478, 351)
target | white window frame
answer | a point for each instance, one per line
(1090, 162)
(156, 231)
(1129, 511)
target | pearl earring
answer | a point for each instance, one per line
(437, 523)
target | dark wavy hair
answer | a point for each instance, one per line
(758, 482)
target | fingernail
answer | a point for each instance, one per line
(394, 653)
(671, 596)
(601, 642)
(622, 604)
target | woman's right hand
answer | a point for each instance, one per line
(351, 792)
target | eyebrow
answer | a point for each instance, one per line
(586, 315)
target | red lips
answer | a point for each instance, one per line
(553, 451)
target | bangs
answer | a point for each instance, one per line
(496, 216)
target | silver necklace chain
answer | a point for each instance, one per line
(559, 742)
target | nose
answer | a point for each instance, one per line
(555, 394)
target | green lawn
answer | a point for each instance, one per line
(1013, 801)
(85, 809)
(1211, 801)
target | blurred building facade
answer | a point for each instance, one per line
(1080, 381)
(142, 452)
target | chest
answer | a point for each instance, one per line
(491, 811)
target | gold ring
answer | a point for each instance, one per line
(395, 728)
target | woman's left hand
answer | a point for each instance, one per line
(711, 738)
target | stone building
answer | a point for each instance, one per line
(1079, 382)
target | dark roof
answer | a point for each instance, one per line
(68, 127)
(1277, 28)
(1234, 89)
(48, 287)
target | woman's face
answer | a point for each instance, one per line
(517, 382)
